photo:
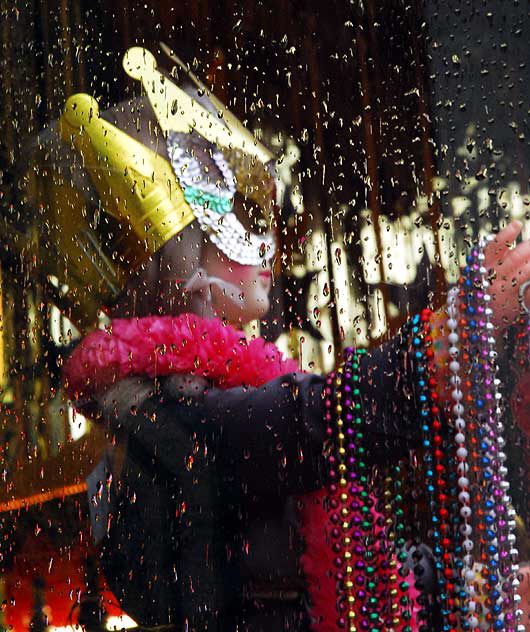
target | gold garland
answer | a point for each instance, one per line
(44, 497)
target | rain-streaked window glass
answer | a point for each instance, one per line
(265, 336)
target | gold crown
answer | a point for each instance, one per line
(177, 111)
(141, 206)
(141, 203)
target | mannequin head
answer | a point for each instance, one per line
(189, 273)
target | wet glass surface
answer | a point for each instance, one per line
(174, 174)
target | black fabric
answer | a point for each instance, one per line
(204, 530)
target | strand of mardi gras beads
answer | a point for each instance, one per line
(505, 607)
(435, 469)
(459, 423)
(436, 473)
(443, 466)
(491, 494)
(445, 354)
(491, 511)
(371, 594)
(475, 463)
(413, 336)
(340, 527)
(368, 555)
(387, 600)
(344, 487)
(395, 533)
(492, 537)
(485, 487)
(470, 332)
(446, 459)
(473, 323)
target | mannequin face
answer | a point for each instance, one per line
(189, 274)
(242, 292)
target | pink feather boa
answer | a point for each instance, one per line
(163, 345)
(157, 346)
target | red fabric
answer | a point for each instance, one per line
(317, 561)
(63, 570)
(157, 346)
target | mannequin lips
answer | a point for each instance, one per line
(265, 277)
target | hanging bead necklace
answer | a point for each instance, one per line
(435, 468)
(483, 480)
(342, 540)
(504, 601)
(459, 423)
(372, 591)
(489, 490)
(371, 571)
(486, 458)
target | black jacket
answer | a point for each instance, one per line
(203, 528)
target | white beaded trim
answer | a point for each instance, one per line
(224, 230)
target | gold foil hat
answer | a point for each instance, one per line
(140, 200)
(140, 207)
